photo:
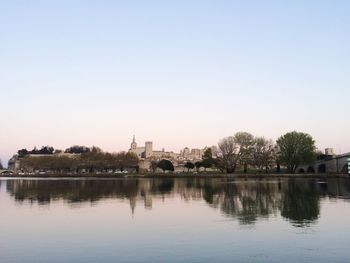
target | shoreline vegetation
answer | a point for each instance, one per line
(243, 153)
(177, 175)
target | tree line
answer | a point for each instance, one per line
(243, 151)
(43, 150)
(89, 161)
(76, 149)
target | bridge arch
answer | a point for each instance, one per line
(310, 170)
(321, 168)
(301, 170)
(345, 169)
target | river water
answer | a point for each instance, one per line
(174, 220)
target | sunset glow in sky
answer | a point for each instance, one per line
(179, 73)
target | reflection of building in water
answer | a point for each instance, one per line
(148, 201)
(298, 201)
(144, 193)
(132, 203)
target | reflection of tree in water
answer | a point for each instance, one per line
(209, 192)
(163, 186)
(301, 202)
(45, 191)
(247, 201)
(298, 201)
(81, 191)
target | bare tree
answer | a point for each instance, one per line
(244, 141)
(228, 154)
(264, 153)
(90, 161)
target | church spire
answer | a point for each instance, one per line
(133, 145)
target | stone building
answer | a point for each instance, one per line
(187, 154)
(141, 152)
(147, 151)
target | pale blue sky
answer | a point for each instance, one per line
(180, 73)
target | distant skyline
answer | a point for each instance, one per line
(179, 73)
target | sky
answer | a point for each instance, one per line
(178, 73)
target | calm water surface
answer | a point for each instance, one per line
(174, 220)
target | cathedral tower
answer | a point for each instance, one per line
(133, 145)
(148, 149)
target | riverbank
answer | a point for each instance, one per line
(177, 175)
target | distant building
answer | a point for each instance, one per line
(139, 151)
(329, 152)
(147, 153)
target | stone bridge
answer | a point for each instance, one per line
(330, 164)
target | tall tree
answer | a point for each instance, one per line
(244, 141)
(1, 166)
(207, 159)
(294, 149)
(228, 154)
(264, 153)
